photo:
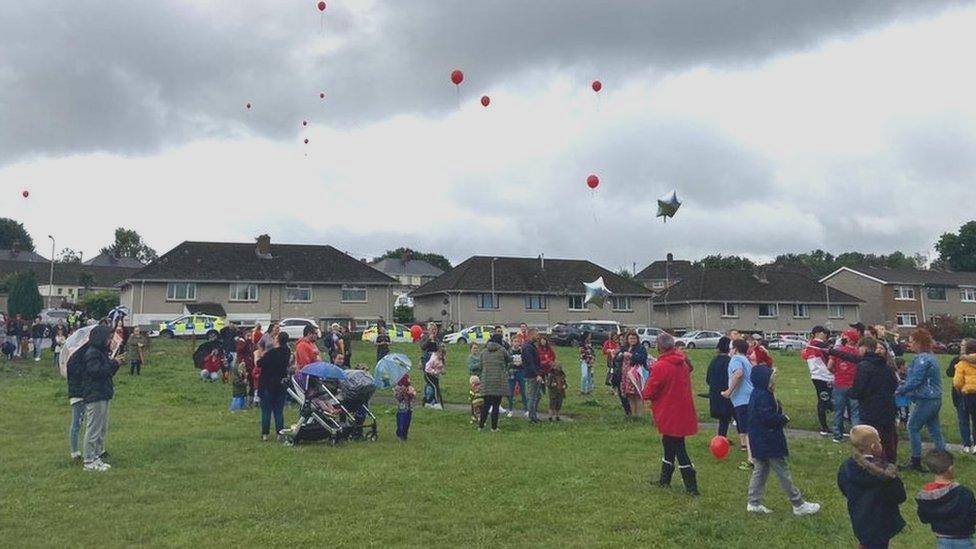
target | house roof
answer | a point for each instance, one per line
(527, 275)
(289, 263)
(20, 255)
(885, 275)
(107, 260)
(415, 267)
(68, 274)
(212, 309)
(660, 270)
(741, 286)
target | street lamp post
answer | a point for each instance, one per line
(50, 281)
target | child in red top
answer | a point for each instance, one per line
(547, 356)
(842, 365)
(212, 365)
(758, 354)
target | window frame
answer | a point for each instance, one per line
(541, 299)
(841, 308)
(187, 285)
(805, 310)
(968, 318)
(613, 304)
(238, 285)
(583, 307)
(493, 299)
(775, 307)
(970, 291)
(350, 288)
(899, 292)
(725, 310)
(945, 293)
(659, 285)
(289, 287)
(898, 322)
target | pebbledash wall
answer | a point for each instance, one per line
(462, 309)
(148, 303)
(708, 316)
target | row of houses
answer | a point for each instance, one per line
(259, 282)
(63, 283)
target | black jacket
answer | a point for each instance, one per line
(274, 368)
(874, 492)
(874, 389)
(76, 373)
(766, 419)
(718, 381)
(951, 510)
(39, 331)
(228, 339)
(530, 360)
(99, 368)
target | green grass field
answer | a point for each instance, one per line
(189, 473)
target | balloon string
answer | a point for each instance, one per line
(457, 90)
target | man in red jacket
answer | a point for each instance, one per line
(669, 390)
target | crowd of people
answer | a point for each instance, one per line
(26, 338)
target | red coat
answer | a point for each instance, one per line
(669, 390)
(547, 357)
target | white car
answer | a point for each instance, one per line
(700, 339)
(648, 335)
(788, 343)
(295, 327)
(472, 334)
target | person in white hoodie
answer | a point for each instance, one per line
(816, 356)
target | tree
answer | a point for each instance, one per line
(24, 298)
(823, 263)
(128, 243)
(436, 260)
(13, 236)
(625, 273)
(943, 328)
(98, 304)
(68, 255)
(403, 314)
(959, 250)
(726, 262)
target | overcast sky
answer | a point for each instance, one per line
(783, 126)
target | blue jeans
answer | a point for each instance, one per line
(586, 378)
(841, 400)
(954, 543)
(38, 341)
(272, 402)
(517, 377)
(403, 418)
(964, 429)
(925, 414)
(77, 416)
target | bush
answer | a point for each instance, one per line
(24, 298)
(98, 304)
(943, 328)
(403, 314)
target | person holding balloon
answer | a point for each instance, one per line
(717, 379)
(632, 383)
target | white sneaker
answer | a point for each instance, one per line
(525, 414)
(97, 465)
(437, 407)
(428, 405)
(510, 413)
(502, 410)
(807, 508)
(38, 359)
(762, 509)
(968, 449)
(75, 455)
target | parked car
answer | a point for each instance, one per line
(398, 333)
(192, 325)
(788, 343)
(599, 330)
(52, 316)
(565, 334)
(699, 339)
(939, 348)
(295, 327)
(471, 334)
(648, 335)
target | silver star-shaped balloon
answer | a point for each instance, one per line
(596, 292)
(668, 205)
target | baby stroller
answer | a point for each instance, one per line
(333, 405)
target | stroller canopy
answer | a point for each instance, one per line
(357, 387)
(74, 342)
(324, 370)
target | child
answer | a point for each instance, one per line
(477, 400)
(404, 394)
(474, 360)
(433, 371)
(135, 368)
(872, 488)
(948, 506)
(238, 399)
(769, 451)
(556, 383)
(211, 367)
(901, 401)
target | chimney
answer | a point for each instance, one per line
(263, 249)
(670, 257)
(542, 261)
(759, 273)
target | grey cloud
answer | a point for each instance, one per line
(133, 77)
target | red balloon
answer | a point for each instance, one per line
(596, 85)
(321, 6)
(457, 77)
(248, 106)
(306, 141)
(719, 446)
(321, 95)
(25, 193)
(416, 331)
(485, 100)
(592, 181)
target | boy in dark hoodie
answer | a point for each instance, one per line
(873, 490)
(97, 390)
(874, 389)
(948, 506)
(769, 451)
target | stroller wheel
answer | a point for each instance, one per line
(372, 437)
(333, 442)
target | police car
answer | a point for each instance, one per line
(398, 334)
(471, 334)
(193, 325)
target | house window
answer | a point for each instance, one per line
(621, 303)
(243, 292)
(362, 324)
(936, 293)
(353, 294)
(968, 295)
(904, 293)
(181, 291)
(536, 303)
(768, 310)
(801, 310)
(658, 284)
(835, 311)
(487, 301)
(969, 319)
(60, 291)
(906, 320)
(730, 310)
(576, 303)
(298, 294)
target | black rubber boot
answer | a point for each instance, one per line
(690, 478)
(667, 470)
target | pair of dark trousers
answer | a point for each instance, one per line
(492, 402)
